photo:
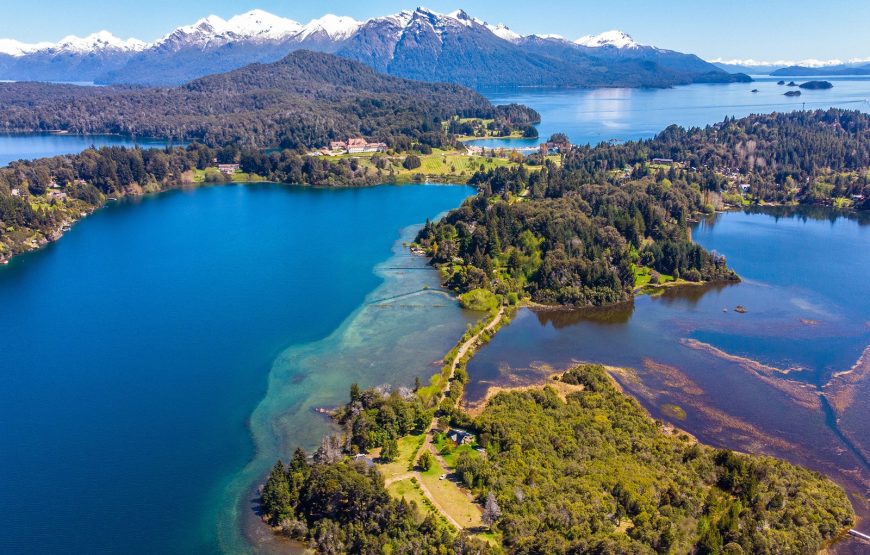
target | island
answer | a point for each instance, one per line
(793, 93)
(817, 85)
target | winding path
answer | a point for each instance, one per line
(463, 350)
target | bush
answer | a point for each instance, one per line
(482, 300)
(412, 162)
(425, 461)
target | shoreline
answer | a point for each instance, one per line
(375, 329)
(42, 240)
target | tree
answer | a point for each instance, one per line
(412, 162)
(390, 452)
(354, 392)
(491, 510)
(425, 461)
(276, 495)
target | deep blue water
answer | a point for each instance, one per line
(135, 349)
(27, 146)
(590, 116)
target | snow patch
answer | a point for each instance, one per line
(616, 39)
(333, 26)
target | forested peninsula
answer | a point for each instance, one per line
(611, 219)
(574, 469)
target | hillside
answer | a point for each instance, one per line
(802, 71)
(416, 44)
(306, 99)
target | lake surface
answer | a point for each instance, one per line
(136, 349)
(590, 116)
(746, 381)
(27, 146)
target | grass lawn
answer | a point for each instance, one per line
(408, 446)
(451, 166)
(642, 276)
(450, 498)
(405, 489)
(449, 452)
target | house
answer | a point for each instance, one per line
(365, 459)
(858, 198)
(355, 146)
(228, 169)
(744, 187)
(663, 161)
(16, 193)
(460, 437)
(554, 148)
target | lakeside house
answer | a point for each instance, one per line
(354, 146)
(460, 437)
(554, 148)
(663, 161)
(744, 187)
(228, 169)
(365, 459)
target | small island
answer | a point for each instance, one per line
(817, 85)
(793, 93)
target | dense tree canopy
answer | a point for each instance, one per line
(305, 99)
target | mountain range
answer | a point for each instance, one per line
(306, 98)
(783, 68)
(416, 44)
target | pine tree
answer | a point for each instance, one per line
(491, 510)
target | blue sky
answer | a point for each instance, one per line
(761, 29)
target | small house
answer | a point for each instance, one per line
(663, 161)
(365, 459)
(460, 437)
(228, 169)
(744, 187)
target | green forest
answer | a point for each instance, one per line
(569, 242)
(589, 474)
(304, 100)
(582, 232)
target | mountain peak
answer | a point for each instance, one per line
(12, 47)
(615, 39)
(332, 26)
(99, 41)
(502, 31)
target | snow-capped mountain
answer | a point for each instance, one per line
(11, 47)
(330, 27)
(419, 44)
(615, 39)
(101, 41)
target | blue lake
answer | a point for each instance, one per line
(27, 146)
(590, 116)
(136, 349)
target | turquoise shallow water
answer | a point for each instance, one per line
(136, 348)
